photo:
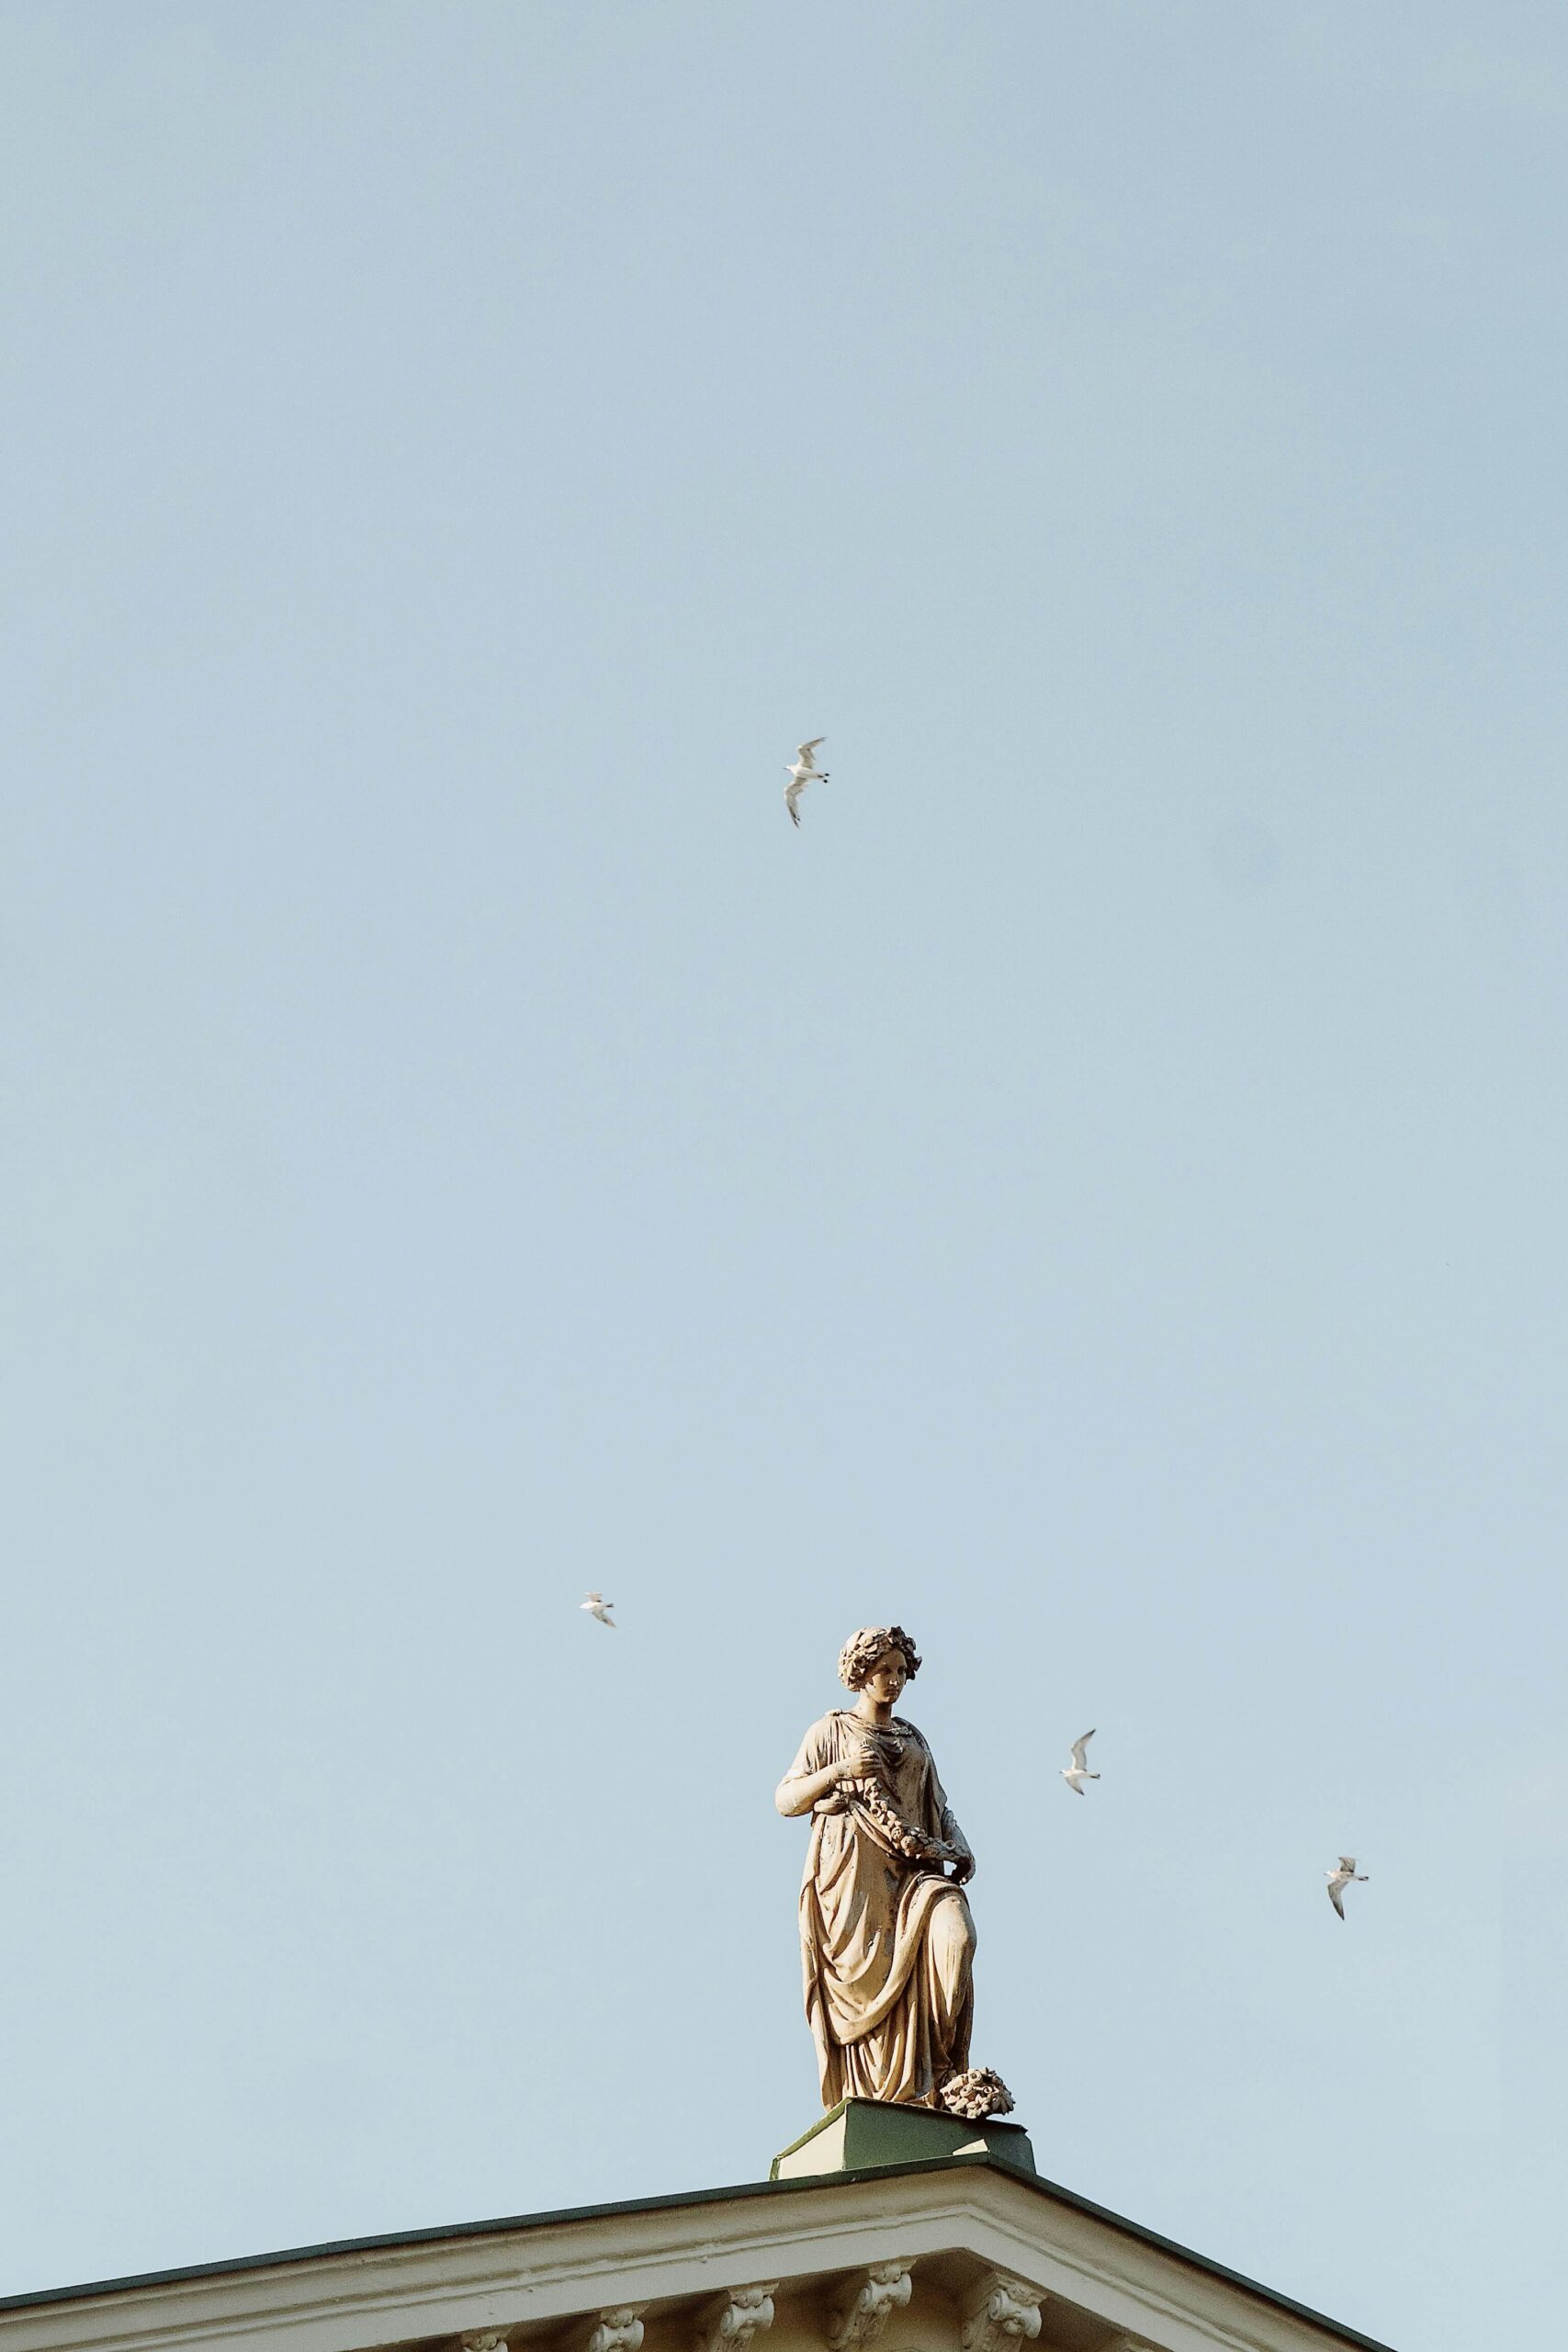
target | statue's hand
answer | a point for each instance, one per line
(873, 1758)
(962, 1870)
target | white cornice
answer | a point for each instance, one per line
(541, 2275)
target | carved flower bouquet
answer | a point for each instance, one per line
(975, 2095)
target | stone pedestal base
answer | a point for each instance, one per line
(861, 2135)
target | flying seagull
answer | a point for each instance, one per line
(597, 1606)
(1078, 1772)
(1345, 1875)
(803, 771)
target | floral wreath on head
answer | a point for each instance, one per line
(862, 1650)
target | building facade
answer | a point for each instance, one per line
(885, 2227)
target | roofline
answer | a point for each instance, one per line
(509, 2224)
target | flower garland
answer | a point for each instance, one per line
(893, 1830)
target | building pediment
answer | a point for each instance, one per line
(962, 2253)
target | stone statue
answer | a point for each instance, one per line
(887, 1939)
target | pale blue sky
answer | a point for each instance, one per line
(1094, 1194)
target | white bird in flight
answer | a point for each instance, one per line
(1345, 1875)
(597, 1606)
(803, 772)
(1078, 1772)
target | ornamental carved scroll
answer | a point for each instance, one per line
(729, 2322)
(619, 2329)
(863, 2308)
(1001, 2314)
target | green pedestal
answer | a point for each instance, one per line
(861, 2133)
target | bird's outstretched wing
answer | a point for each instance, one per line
(1335, 1892)
(792, 799)
(1347, 1863)
(1080, 1761)
(807, 753)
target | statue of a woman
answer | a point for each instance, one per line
(885, 1933)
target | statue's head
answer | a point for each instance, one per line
(884, 1652)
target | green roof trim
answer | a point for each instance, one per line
(813, 2184)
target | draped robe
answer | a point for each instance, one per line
(887, 1943)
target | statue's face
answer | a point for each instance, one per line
(888, 1676)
